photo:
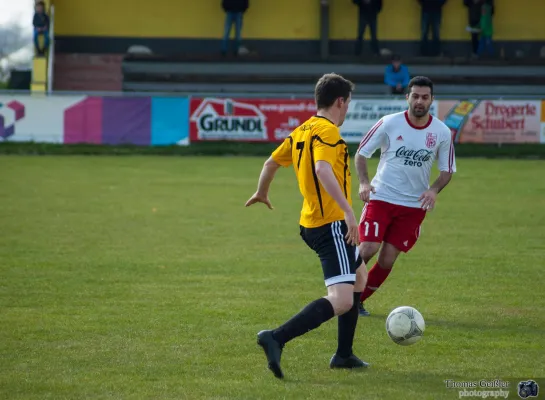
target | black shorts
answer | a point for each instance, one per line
(338, 257)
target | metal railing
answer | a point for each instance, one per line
(51, 53)
(271, 95)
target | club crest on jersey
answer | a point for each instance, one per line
(431, 140)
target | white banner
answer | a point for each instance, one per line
(363, 114)
(34, 118)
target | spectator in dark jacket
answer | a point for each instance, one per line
(396, 76)
(41, 27)
(234, 10)
(431, 18)
(474, 12)
(368, 13)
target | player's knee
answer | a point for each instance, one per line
(361, 279)
(386, 261)
(368, 250)
(342, 302)
(368, 254)
(345, 305)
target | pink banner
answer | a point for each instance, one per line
(492, 121)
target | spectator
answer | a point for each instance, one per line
(396, 76)
(368, 13)
(234, 10)
(474, 11)
(487, 29)
(431, 18)
(474, 22)
(41, 27)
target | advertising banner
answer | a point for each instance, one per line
(543, 121)
(95, 120)
(363, 114)
(247, 120)
(493, 121)
(34, 118)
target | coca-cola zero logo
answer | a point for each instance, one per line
(414, 158)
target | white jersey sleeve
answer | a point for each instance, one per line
(375, 139)
(445, 154)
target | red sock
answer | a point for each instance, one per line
(375, 278)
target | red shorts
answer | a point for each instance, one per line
(386, 222)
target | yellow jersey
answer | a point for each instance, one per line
(317, 139)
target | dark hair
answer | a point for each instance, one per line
(420, 81)
(329, 88)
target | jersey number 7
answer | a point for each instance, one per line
(300, 146)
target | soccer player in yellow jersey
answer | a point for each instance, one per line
(327, 225)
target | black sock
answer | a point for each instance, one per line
(347, 328)
(309, 318)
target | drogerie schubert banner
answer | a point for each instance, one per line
(492, 121)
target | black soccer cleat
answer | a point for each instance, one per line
(363, 312)
(347, 363)
(273, 351)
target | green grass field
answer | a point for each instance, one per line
(146, 278)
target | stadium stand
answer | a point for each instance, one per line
(145, 73)
(88, 72)
(285, 50)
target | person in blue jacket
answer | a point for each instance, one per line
(396, 76)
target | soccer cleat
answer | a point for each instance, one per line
(363, 312)
(273, 351)
(347, 363)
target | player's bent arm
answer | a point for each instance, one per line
(371, 142)
(442, 180)
(325, 174)
(361, 169)
(267, 175)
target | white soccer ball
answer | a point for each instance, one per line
(405, 325)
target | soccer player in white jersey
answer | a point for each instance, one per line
(398, 197)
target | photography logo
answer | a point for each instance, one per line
(528, 389)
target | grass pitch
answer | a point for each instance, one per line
(146, 278)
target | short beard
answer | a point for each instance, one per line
(419, 114)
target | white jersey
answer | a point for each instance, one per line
(407, 155)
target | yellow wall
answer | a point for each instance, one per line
(281, 19)
(400, 20)
(179, 18)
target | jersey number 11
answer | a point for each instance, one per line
(366, 223)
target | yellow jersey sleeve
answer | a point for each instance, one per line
(282, 154)
(325, 145)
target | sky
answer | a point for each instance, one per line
(16, 10)
(21, 13)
